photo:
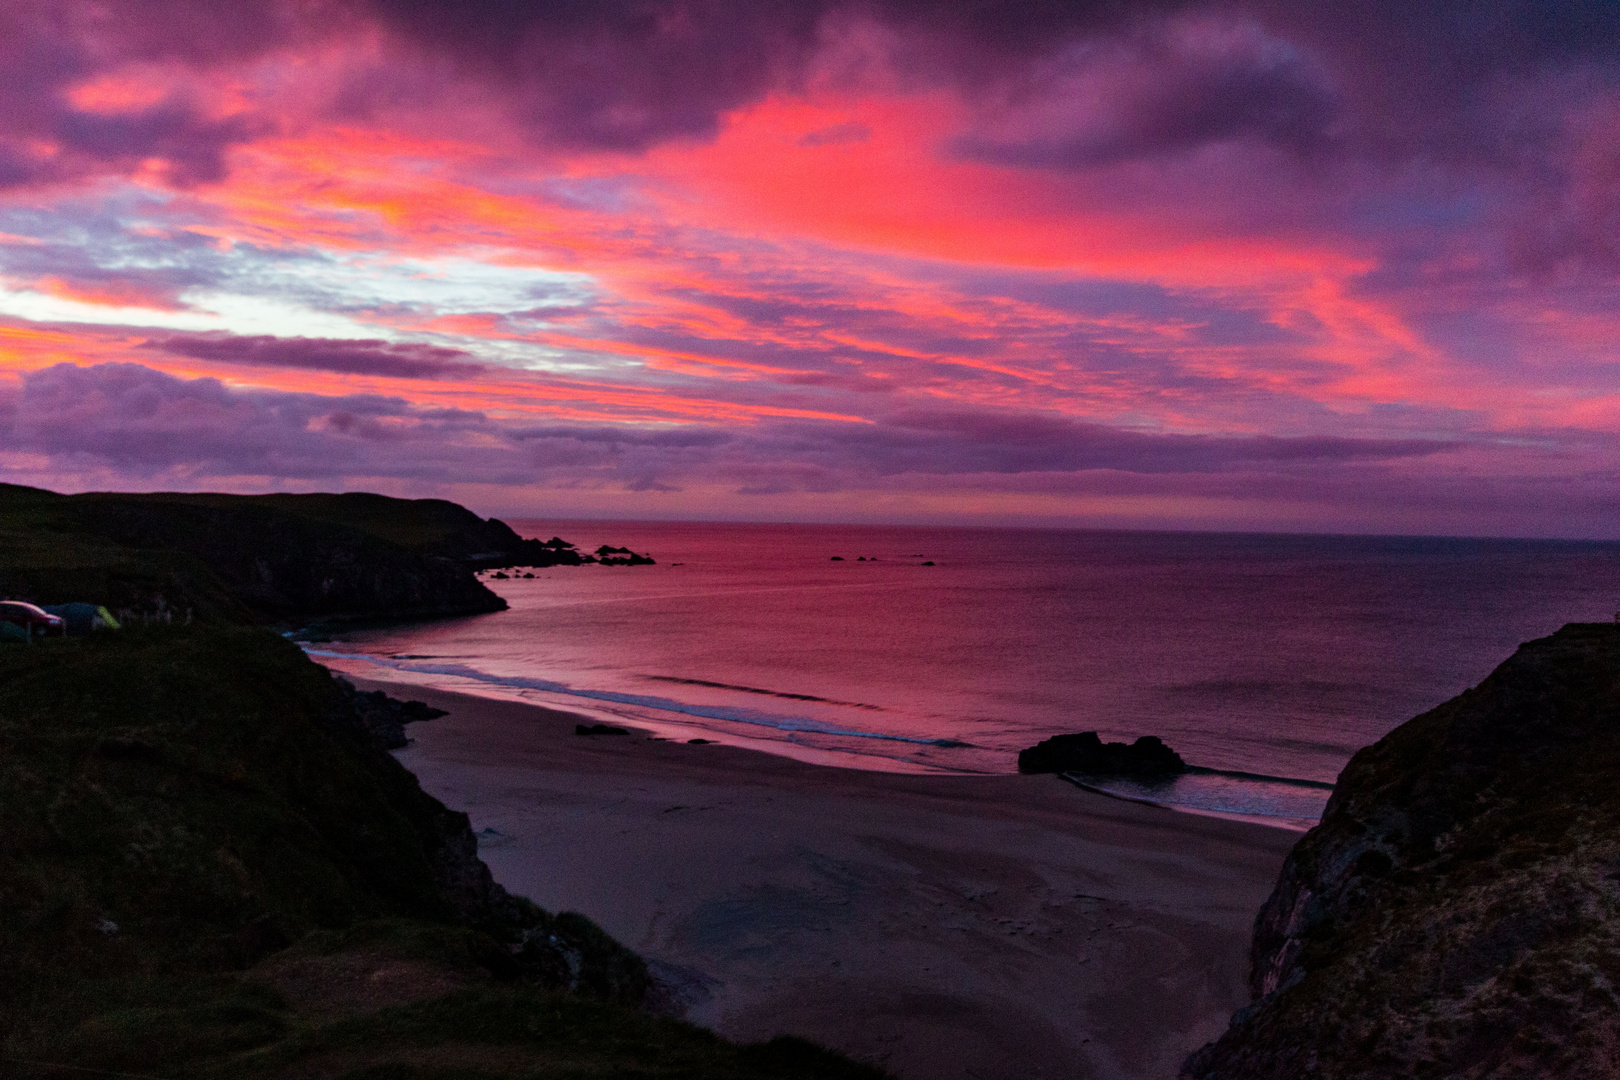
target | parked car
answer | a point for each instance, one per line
(32, 621)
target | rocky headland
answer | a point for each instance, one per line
(1457, 911)
(279, 559)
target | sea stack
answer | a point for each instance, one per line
(1147, 757)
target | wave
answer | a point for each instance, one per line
(1282, 800)
(645, 701)
(757, 690)
(1295, 781)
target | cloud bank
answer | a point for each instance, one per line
(1230, 263)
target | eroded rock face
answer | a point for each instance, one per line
(1457, 912)
(384, 718)
(565, 951)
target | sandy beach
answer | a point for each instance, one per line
(941, 926)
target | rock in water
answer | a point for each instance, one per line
(1457, 912)
(1087, 753)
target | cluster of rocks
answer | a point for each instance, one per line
(863, 558)
(1085, 752)
(609, 555)
(384, 718)
(559, 552)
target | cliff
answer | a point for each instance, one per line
(270, 558)
(210, 868)
(1457, 911)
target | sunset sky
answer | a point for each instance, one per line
(1237, 265)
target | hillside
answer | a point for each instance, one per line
(207, 869)
(271, 558)
(1457, 912)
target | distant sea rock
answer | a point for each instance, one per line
(1087, 753)
(1457, 911)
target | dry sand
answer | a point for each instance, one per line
(941, 926)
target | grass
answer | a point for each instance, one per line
(49, 555)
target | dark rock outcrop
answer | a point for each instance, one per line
(384, 718)
(1457, 911)
(1147, 757)
(609, 555)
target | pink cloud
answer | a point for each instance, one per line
(1181, 241)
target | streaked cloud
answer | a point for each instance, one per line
(852, 257)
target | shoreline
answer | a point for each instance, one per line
(595, 709)
(1265, 821)
(938, 924)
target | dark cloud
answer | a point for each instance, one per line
(366, 356)
(1166, 90)
(615, 74)
(1410, 78)
(46, 49)
(1495, 97)
(1504, 90)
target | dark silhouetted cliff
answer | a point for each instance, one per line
(276, 558)
(1457, 912)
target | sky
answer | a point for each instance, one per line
(1237, 265)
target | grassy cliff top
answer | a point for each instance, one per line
(428, 526)
(206, 870)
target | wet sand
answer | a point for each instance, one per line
(941, 926)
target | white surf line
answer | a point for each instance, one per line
(1270, 821)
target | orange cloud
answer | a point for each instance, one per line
(111, 292)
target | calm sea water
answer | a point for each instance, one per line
(1272, 655)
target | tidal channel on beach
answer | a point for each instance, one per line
(950, 649)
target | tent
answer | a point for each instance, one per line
(82, 618)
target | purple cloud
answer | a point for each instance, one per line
(1167, 90)
(48, 48)
(367, 356)
(617, 74)
(134, 416)
(129, 426)
(1508, 97)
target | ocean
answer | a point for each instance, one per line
(950, 649)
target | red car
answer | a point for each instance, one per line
(30, 619)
